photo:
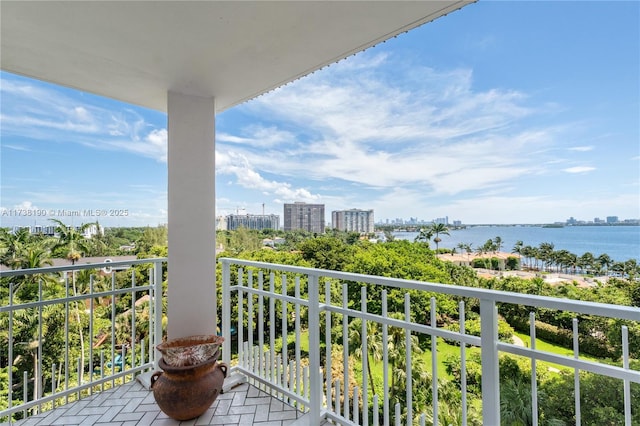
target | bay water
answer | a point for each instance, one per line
(621, 243)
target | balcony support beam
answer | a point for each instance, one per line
(191, 202)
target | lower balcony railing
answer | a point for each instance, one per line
(349, 348)
(54, 350)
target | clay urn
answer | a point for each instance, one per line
(186, 392)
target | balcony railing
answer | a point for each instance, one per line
(267, 298)
(84, 354)
(303, 335)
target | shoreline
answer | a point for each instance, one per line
(549, 277)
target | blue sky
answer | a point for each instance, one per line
(503, 112)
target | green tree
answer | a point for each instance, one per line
(373, 349)
(515, 403)
(497, 242)
(546, 254)
(31, 256)
(424, 235)
(71, 242)
(151, 236)
(517, 247)
(326, 252)
(12, 244)
(602, 399)
(438, 229)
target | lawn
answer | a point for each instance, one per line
(444, 351)
(541, 345)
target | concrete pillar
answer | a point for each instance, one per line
(191, 200)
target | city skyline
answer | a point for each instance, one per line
(484, 115)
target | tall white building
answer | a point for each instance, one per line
(354, 220)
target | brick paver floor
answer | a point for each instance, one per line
(133, 405)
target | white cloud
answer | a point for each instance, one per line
(427, 128)
(579, 169)
(239, 166)
(581, 148)
(257, 137)
(16, 147)
(47, 114)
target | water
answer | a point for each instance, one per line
(621, 243)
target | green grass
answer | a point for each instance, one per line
(541, 345)
(444, 351)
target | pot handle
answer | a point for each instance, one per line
(222, 366)
(155, 376)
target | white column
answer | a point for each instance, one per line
(191, 199)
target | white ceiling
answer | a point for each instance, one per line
(136, 51)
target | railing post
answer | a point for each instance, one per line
(157, 310)
(315, 380)
(226, 311)
(490, 365)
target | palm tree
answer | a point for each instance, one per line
(374, 345)
(11, 244)
(537, 256)
(480, 252)
(468, 250)
(424, 235)
(31, 256)
(515, 403)
(632, 269)
(605, 261)
(572, 262)
(497, 241)
(527, 253)
(618, 268)
(437, 229)
(397, 359)
(71, 240)
(517, 247)
(586, 262)
(30, 336)
(562, 259)
(546, 252)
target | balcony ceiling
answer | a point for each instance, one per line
(234, 50)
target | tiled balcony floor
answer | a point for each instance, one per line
(132, 405)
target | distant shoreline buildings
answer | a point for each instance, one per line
(51, 230)
(311, 218)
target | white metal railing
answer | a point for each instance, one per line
(263, 304)
(270, 362)
(102, 360)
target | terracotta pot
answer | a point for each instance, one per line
(184, 393)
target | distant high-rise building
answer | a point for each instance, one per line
(612, 219)
(253, 221)
(442, 220)
(353, 220)
(221, 223)
(307, 217)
